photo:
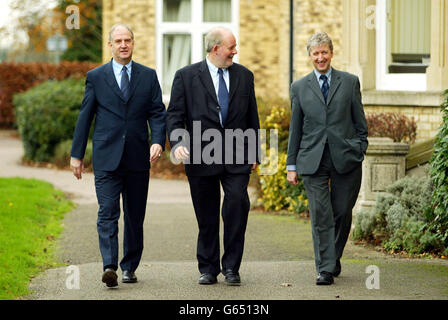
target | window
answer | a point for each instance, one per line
(403, 44)
(181, 28)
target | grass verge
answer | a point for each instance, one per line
(31, 213)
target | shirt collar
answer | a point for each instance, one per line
(328, 74)
(118, 67)
(213, 69)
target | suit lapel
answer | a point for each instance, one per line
(234, 80)
(334, 85)
(312, 82)
(207, 82)
(135, 78)
(109, 77)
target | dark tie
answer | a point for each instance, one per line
(223, 97)
(325, 86)
(125, 82)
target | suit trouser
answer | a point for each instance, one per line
(133, 187)
(206, 196)
(331, 197)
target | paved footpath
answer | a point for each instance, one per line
(277, 264)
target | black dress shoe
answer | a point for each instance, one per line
(232, 278)
(129, 277)
(324, 279)
(110, 278)
(337, 270)
(207, 278)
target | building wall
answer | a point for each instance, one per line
(264, 44)
(428, 119)
(311, 16)
(264, 39)
(141, 16)
(263, 36)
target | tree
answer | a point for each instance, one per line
(85, 43)
(30, 24)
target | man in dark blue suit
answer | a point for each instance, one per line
(124, 97)
(219, 96)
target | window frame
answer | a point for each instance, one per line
(392, 81)
(196, 29)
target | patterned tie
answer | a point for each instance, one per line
(223, 97)
(325, 86)
(125, 82)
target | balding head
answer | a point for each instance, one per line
(220, 44)
(215, 37)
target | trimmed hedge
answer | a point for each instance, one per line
(396, 126)
(46, 115)
(19, 77)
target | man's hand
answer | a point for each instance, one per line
(181, 153)
(292, 178)
(254, 166)
(155, 152)
(77, 167)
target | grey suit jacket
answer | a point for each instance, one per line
(341, 120)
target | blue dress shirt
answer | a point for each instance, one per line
(117, 71)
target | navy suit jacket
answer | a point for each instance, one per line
(193, 98)
(121, 126)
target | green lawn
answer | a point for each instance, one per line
(31, 213)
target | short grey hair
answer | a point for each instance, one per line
(214, 37)
(318, 39)
(115, 26)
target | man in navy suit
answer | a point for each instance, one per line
(218, 96)
(124, 97)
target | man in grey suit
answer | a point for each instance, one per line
(327, 143)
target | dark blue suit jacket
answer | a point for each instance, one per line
(193, 98)
(121, 126)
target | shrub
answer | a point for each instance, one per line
(278, 120)
(46, 115)
(277, 194)
(396, 126)
(62, 151)
(19, 77)
(401, 218)
(439, 176)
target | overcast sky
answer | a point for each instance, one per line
(4, 11)
(6, 15)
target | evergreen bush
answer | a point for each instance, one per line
(402, 219)
(46, 115)
(439, 176)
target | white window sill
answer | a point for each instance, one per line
(402, 98)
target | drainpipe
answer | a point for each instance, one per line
(291, 41)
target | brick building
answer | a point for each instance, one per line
(398, 48)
